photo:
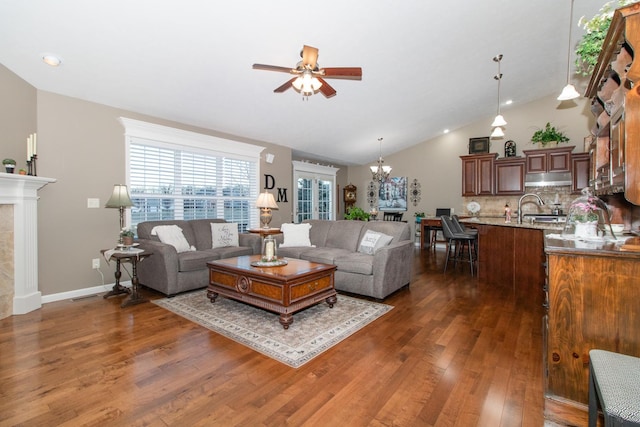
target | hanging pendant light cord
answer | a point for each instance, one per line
(569, 45)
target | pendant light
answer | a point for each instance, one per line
(499, 121)
(569, 91)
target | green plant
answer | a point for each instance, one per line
(547, 135)
(590, 45)
(9, 162)
(419, 215)
(126, 232)
(356, 213)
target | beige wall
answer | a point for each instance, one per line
(17, 117)
(436, 163)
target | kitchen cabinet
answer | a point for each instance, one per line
(545, 160)
(580, 163)
(509, 176)
(593, 302)
(616, 107)
(478, 174)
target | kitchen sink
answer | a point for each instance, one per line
(544, 218)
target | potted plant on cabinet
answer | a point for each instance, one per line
(9, 165)
(548, 135)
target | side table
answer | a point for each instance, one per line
(265, 231)
(132, 257)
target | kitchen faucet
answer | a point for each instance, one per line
(540, 202)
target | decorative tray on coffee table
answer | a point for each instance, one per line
(276, 263)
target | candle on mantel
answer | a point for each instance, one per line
(34, 144)
(29, 148)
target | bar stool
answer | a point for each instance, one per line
(614, 382)
(453, 240)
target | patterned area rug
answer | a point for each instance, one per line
(313, 330)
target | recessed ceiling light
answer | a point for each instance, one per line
(508, 102)
(446, 131)
(51, 60)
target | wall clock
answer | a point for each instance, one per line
(350, 194)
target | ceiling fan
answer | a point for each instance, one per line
(309, 76)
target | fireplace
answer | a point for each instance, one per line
(19, 292)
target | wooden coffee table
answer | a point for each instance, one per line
(284, 289)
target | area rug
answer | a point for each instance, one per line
(313, 331)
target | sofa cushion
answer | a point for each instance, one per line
(293, 251)
(193, 261)
(324, 255)
(202, 231)
(172, 235)
(143, 230)
(372, 241)
(224, 235)
(319, 230)
(355, 263)
(345, 234)
(296, 234)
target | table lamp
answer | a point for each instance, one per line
(120, 199)
(266, 202)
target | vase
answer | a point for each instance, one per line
(127, 240)
(587, 229)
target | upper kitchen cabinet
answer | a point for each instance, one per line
(477, 174)
(510, 175)
(545, 160)
(615, 102)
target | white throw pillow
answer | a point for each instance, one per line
(224, 234)
(172, 235)
(295, 234)
(372, 241)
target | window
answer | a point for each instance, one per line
(175, 174)
(314, 195)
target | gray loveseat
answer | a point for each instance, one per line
(170, 272)
(337, 242)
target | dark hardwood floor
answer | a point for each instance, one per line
(452, 352)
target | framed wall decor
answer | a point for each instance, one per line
(392, 194)
(479, 145)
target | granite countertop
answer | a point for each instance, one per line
(621, 246)
(499, 221)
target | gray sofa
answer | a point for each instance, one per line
(337, 242)
(170, 272)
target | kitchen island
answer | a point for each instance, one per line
(512, 255)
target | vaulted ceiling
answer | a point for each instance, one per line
(427, 65)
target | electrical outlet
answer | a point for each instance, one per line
(95, 263)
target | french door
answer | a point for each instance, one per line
(315, 196)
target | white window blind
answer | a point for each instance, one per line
(189, 179)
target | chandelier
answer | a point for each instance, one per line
(380, 172)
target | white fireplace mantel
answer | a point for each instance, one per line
(21, 191)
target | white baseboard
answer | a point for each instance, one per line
(81, 292)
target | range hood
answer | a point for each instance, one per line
(550, 179)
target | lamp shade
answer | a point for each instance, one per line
(497, 132)
(499, 121)
(569, 92)
(266, 200)
(119, 198)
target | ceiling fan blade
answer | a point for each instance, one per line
(273, 68)
(309, 56)
(285, 86)
(326, 89)
(352, 73)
